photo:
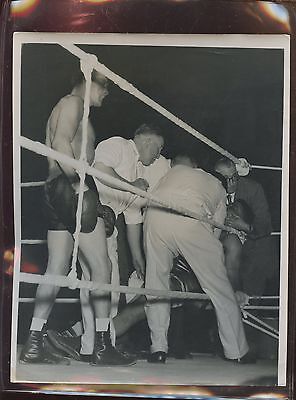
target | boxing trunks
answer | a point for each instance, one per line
(61, 206)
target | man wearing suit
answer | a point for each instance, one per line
(249, 262)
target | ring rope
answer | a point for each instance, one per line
(87, 71)
(42, 149)
(261, 307)
(63, 281)
(61, 300)
(128, 87)
(260, 329)
(33, 241)
(246, 314)
(131, 89)
(267, 167)
(32, 184)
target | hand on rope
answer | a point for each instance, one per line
(243, 167)
(242, 298)
(141, 184)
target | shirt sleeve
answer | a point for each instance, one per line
(133, 214)
(109, 152)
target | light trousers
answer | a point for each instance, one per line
(167, 235)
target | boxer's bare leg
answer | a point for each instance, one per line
(93, 246)
(60, 246)
(134, 312)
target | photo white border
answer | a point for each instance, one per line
(272, 41)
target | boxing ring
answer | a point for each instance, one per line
(89, 62)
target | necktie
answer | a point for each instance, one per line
(230, 199)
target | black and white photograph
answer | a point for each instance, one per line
(151, 188)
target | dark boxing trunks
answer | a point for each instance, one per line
(61, 206)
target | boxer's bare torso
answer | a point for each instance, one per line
(64, 133)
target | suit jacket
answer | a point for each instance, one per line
(252, 193)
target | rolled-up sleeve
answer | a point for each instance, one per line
(109, 152)
(133, 214)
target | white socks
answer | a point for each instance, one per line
(102, 324)
(37, 324)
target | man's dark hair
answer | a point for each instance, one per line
(147, 128)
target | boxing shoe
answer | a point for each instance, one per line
(36, 352)
(105, 354)
(68, 345)
(86, 358)
(158, 357)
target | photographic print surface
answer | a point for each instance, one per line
(210, 96)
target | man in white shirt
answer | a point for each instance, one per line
(168, 234)
(125, 160)
(69, 341)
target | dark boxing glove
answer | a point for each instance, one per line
(109, 218)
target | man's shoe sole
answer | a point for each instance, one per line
(112, 365)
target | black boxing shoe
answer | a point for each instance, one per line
(70, 346)
(86, 358)
(158, 357)
(105, 354)
(35, 351)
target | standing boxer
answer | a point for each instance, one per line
(64, 134)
